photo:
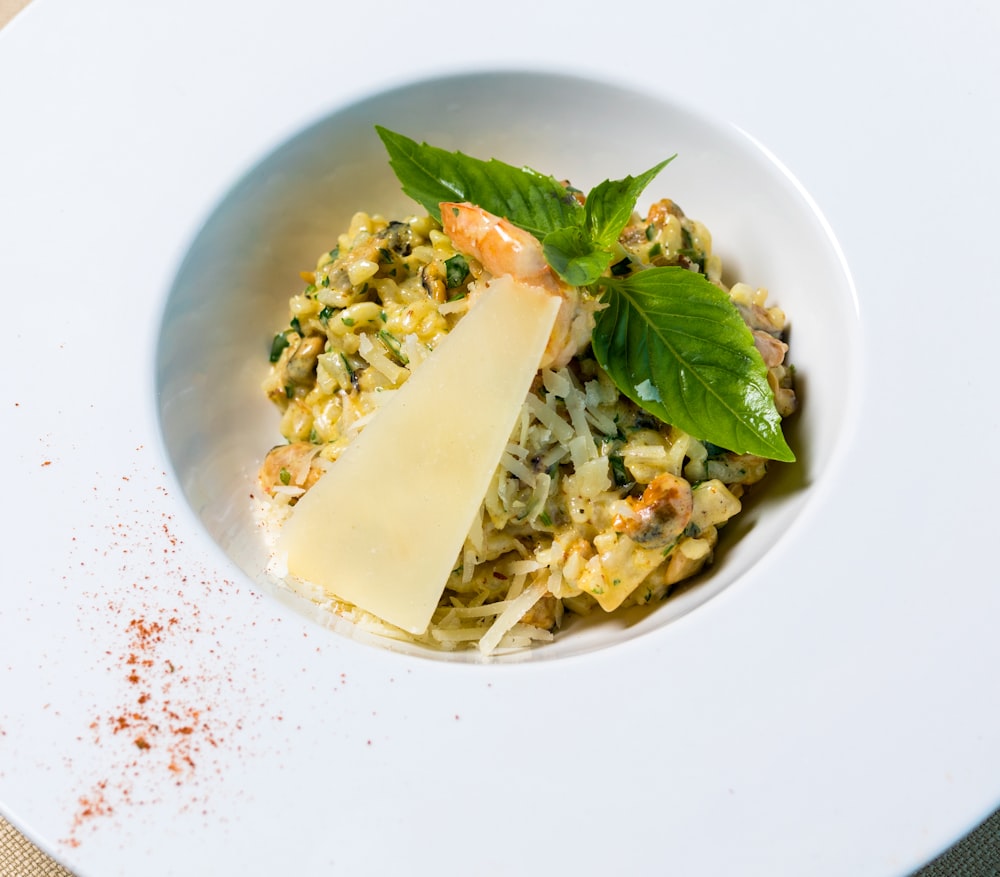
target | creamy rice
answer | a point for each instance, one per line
(595, 504)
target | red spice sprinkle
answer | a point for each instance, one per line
(161, 724)
(94, 804)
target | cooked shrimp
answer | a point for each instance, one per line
(660, 515)
(504, 249)
(499, 245)
(291, 465)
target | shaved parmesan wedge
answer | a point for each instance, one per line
(383, 527)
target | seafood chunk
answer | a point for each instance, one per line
(543, 614)
(301, 365)
(660, 515)
(504, 249)
(291, 465)
(772, 350)
(499, 245)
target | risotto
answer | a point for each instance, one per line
(595, 505)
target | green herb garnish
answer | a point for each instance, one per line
(456, 269)
(619, 472)
(278, 344)
(670, 339)
(392, 342)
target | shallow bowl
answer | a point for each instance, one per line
(230, 293)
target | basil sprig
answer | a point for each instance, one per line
(671, 340)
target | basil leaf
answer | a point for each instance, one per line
(574, 257)
(610, 204)
(675, 344)
(429, 175)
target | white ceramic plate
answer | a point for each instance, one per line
(167, 709)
